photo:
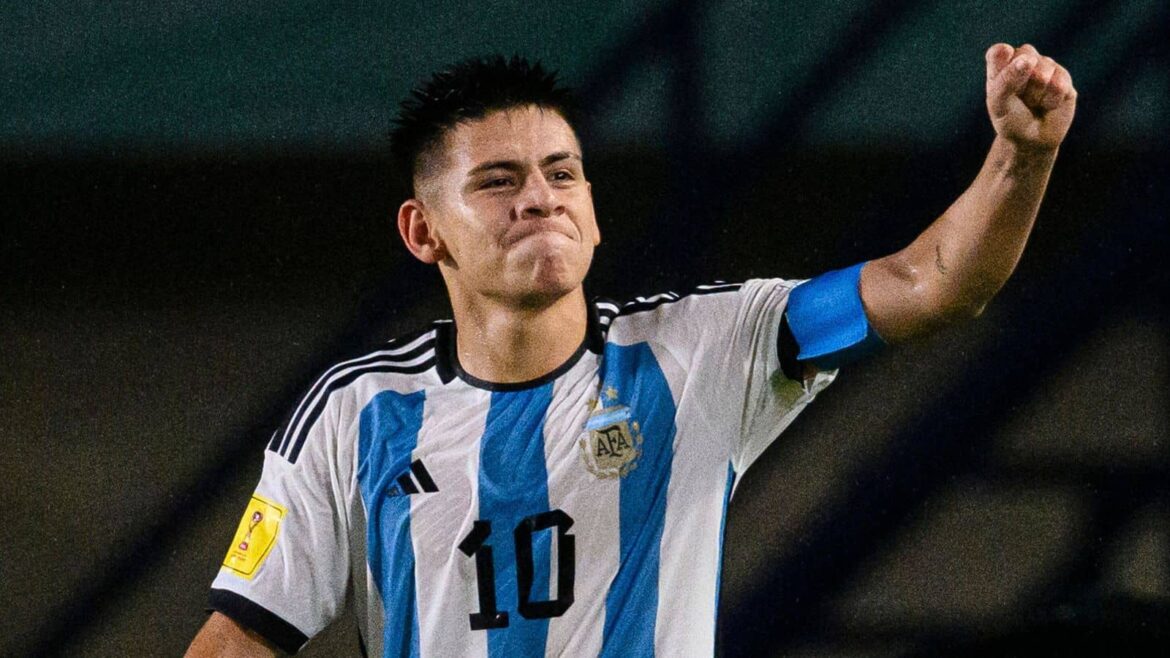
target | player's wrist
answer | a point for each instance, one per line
(1014, 157)
(1021, 147)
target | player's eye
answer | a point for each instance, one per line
(499, 182)
(562, 175)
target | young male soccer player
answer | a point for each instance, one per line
(547, 475)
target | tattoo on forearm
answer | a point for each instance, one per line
(938, 259)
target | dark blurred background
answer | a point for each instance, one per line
(196, 218)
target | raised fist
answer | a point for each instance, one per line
(1030, 97)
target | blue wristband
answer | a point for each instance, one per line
(828, 321)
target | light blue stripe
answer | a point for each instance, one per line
(387, 436)
(607, 418)
(722, 531)
(513, 484)
(632, 602)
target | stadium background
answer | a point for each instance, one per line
(196, 218)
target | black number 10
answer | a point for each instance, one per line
(475, 544)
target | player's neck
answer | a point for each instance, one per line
(504, 344)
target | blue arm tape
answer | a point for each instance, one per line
(828, 321)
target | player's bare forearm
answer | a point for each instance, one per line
(954, 268)
(961, 261)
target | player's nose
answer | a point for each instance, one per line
(538, 198)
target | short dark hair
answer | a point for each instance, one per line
(470, 90)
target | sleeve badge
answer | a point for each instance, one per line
(255, 537)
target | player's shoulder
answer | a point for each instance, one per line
(696, 308)
(411, 353)
(642, 317)
(695, 297)
(405, 364)
(652, 302)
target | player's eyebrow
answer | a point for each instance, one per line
(516, 165)
(512, 165)
(558, 156)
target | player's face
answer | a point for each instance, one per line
(510, 205)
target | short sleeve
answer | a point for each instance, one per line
(287, 568)
(771, 400)
(727, 339)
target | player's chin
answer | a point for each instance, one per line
(552, 276)
(555, 277)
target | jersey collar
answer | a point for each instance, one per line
(448, 366)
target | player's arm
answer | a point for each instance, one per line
(222, 636)
(960, 262)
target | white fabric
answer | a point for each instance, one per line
(716, 350)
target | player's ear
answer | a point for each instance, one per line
(418, 234)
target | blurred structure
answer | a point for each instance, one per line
(197, 219)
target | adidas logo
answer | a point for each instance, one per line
(407, 485)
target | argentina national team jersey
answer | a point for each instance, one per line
(581, 514)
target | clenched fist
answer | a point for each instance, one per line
(1030, 98)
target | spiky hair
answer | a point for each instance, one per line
(469, 90)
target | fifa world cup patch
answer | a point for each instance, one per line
(612, 441)
(255, 537)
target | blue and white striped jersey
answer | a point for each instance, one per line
(580, 514)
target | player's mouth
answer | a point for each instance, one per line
(536, 229)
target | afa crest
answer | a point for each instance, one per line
(612, 441)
